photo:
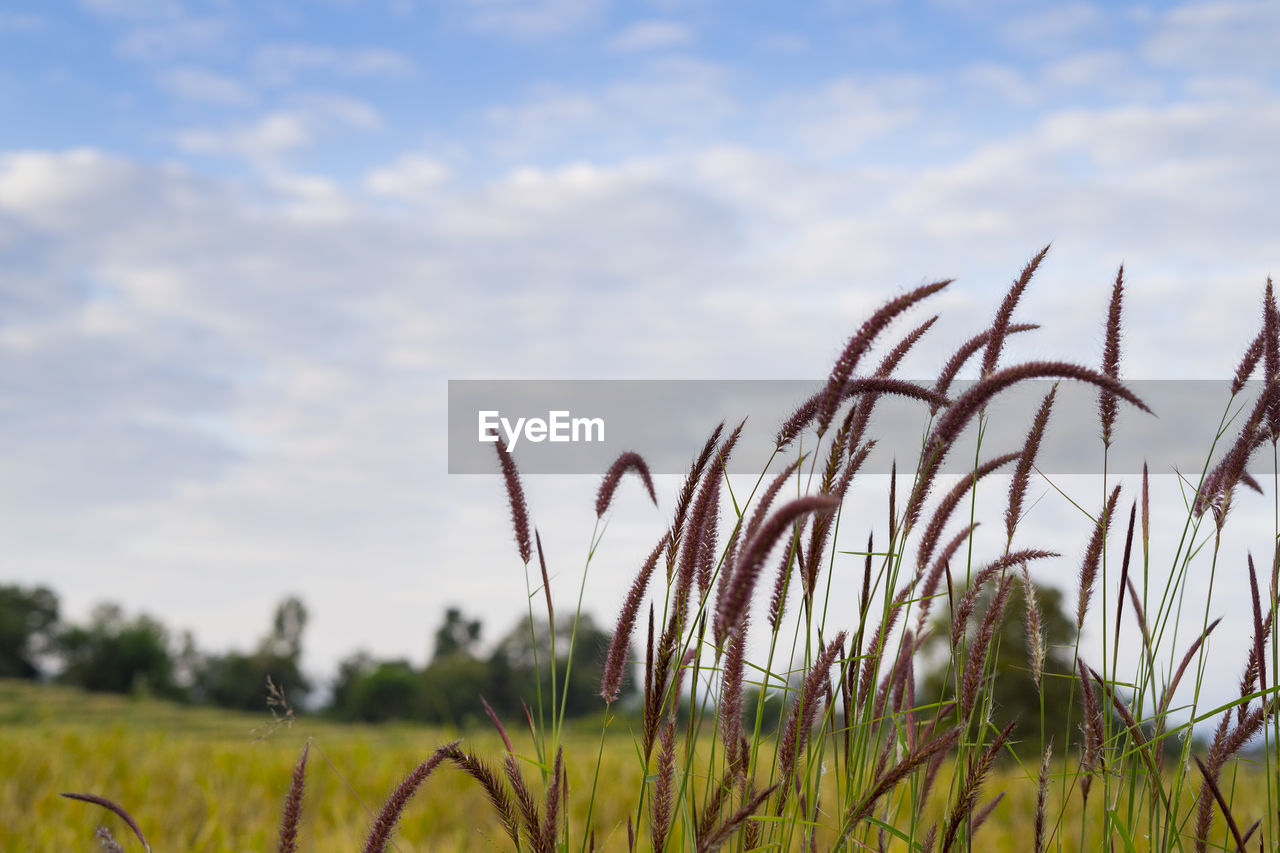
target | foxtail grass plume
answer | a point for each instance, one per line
(629, 461)
(685, 497)
(1172, 686)
(469, 764)
(527, 809)
(731, 693)
(860, 343)
(795, 734)
(975, 667)
(664, 787)
(972, 786)
(717, 837)
(1271, 356)
(929, 589)
(1042, 796)
(968, 601)
(864, 805)
(1248, 362)
(967, 405)
(1210, 780)
(515, 497)
(293, 806)
(557, 790)
(1111, 359)
(870, 386)
(385, 823)
(115, 809)
(733, 604)
(1093, 557)
(968, 350)
(1034, 629)
(1026, 461)
(1135, 733)
(106, 841)
(943, 511)
(1092, 757)
(791, 556)
(1004, 316)
(616, 660)
(981, 815)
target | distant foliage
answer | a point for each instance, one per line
(118, 655)
(28, 622)
(450, 688)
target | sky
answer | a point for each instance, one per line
(244, 246)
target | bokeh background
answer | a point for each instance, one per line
(244, 245)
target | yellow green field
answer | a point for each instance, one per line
(208, 781)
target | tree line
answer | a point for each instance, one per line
(119, 654)
(116, 653)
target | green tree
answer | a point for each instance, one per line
(392, 690)
(116, 655)
(452, 688)
(458, 635)
(238, 680)
(343, 694)
(1013, 688)
(28, 622)
(515, 656)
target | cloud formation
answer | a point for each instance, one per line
(229, 325)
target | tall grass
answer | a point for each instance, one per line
(858, 756)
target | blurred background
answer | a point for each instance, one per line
(244, 246)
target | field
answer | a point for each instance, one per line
(202, 780)
(1020, 741)
(208, 781)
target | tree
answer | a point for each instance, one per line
(391, 691)
(116, 655)
(285, 639)
(458, 635)
(1013, 689)
(343, 696)
(452, 689)
(517, 652)
(238, 680)
(28, 621)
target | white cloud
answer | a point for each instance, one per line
(237, 395)
(135, 9)
(531, 18)
(1057, 27)
(670, 98)
(1217, 36)
(268, 137)
(283, 131)
(843, 115)
(413, 177)
(177, 38)
(284, 63)
(199, 84)
(651, 35)
(1008, 84)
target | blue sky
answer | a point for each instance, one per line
(243, 246)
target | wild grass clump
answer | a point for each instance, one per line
(858, 755)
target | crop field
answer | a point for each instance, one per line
(1017, 742)
(209, 781)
